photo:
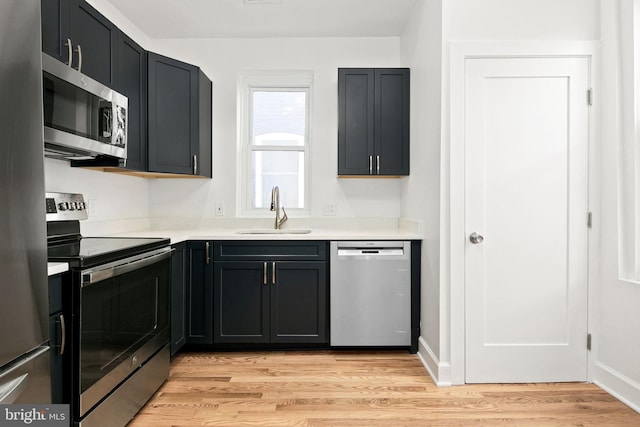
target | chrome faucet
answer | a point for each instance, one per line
(275, 206)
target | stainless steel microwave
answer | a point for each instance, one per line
(83, 119)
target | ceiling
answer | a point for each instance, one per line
(161, 19)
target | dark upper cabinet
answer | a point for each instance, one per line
(179, 117)
(179, 272)
(131, 81)
(74, 31)
(55, 29)
(270, 292)
(199, 295)
(373, 121)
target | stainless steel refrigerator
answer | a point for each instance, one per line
(24, 330)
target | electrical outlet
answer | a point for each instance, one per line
(329, 209)
(219, 208)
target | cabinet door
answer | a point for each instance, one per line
(173, 118)
(178, 297)
(199, 293)
(55, 28)
(131, 81)
(355, 121)
(96, 38)
(299, 302)
(392, 121)
(241, 302)
(58, 338)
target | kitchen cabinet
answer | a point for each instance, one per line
(58, 339)
(73, 31)
(131, 81)
(199, 295)
(179, 117)
(373, 121)
(270, 292)
(179, 273)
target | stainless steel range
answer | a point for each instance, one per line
(117, 295)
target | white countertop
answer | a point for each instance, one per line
(340, 230)
(57, 268)
(178, 236)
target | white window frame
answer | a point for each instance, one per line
(265, 81)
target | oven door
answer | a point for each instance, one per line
(123, 320)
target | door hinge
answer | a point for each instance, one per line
(589, 96)
(589, 219)
(589, 342)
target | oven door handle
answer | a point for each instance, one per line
(124, 266)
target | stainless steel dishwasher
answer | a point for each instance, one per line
(370, 293)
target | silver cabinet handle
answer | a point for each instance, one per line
(63, 338)
(377, 165)
(476, 238)
(264, 273)
(206, 248)
(273, 273)
(69, 52)
(370, 165)
(195, 164)
(79, 50)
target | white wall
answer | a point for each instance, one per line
(223, 60)
(617, 317)
(422, 51)
(116, 203)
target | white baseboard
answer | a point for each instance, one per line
(439, 372)
(618, 385)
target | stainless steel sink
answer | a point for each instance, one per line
(274, 231)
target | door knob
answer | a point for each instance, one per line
(476, 238)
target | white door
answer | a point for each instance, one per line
(526, 188)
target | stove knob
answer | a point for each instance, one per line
(63, 206)
(72, 206)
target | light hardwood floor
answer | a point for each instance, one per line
(352, 388)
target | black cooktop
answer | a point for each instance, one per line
(91, 251)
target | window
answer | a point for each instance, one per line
(274, 119)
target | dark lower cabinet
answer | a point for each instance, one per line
(199, 295)
(270, 292)
(241, 302)
(299, 302)
(178, 297)
(58, 339)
